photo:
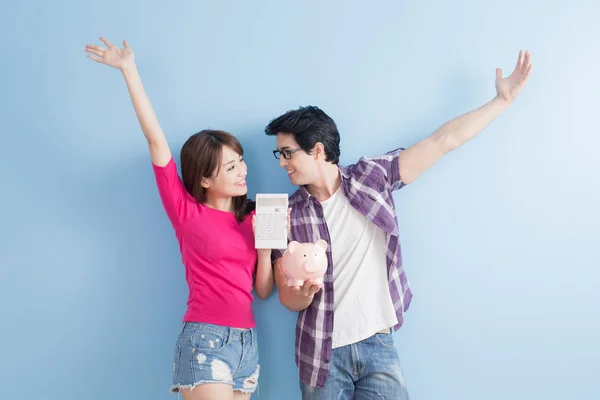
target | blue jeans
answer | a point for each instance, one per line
(369, 369)
(207, 353)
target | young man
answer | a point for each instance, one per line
(344, 346)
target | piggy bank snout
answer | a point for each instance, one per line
(310, 265)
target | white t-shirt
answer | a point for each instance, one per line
(362, 301)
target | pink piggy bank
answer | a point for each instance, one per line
(303, 261)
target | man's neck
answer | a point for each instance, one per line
(328, 182)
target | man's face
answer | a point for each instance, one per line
(300, 166)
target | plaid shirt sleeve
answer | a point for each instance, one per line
(391, 164)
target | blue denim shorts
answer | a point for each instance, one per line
(207, 353)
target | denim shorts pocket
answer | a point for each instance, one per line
(208, 340)
(385, 339)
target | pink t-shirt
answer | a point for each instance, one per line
(218, 254)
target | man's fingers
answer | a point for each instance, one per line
(315, 288)
(310, 288)
(306, 287)
(106, 42)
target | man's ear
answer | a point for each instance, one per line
(319, 150)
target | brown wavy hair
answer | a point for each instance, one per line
(201, 155)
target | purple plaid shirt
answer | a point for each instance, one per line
(368, 185)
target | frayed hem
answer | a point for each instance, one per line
(245, 391)
(176, 388)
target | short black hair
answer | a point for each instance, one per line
(309, 125)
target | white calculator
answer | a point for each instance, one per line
(271, 221)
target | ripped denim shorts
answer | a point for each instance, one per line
(207, 353)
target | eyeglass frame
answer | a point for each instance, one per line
(284, 152)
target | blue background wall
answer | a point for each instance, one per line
(500, 238)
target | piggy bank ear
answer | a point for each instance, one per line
(322, 244)
(292, 246)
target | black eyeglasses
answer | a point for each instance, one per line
(287, 154)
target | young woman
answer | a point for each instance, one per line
(216, 354)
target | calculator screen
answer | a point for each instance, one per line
(272, 202)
